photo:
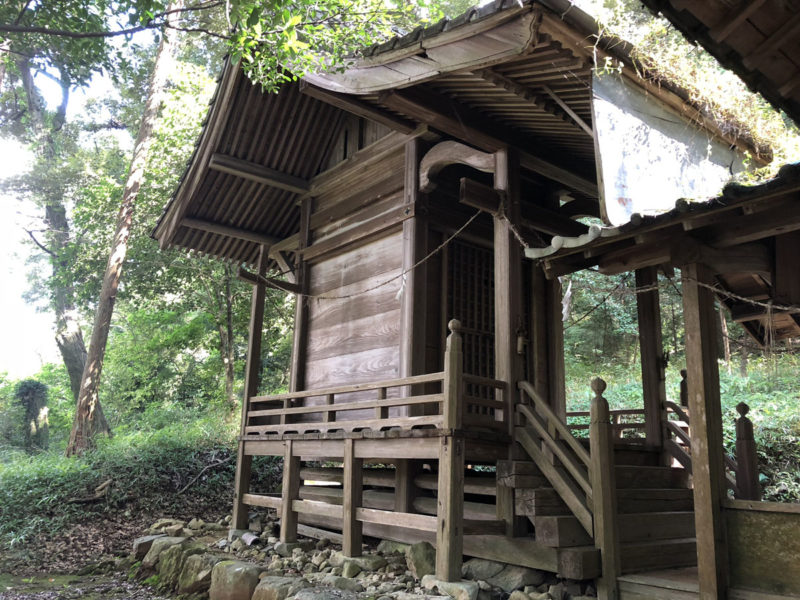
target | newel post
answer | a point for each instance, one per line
(450, 492)
(746, 458)
(453, 377)
(604, 492)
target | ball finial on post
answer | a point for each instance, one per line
(742, 408)
(598, 386)
(454, 325)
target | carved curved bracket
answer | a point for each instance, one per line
(448, 153)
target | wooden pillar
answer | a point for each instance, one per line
(708, 470)
(507, 305)
(244, 462)
(413, 323)
(297, 367)
(746, 456)
(352, 499)
(450, 509)
(652, 353)
(555, 349)
(290, 491)
(604, 492)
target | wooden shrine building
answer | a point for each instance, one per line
(422, 206)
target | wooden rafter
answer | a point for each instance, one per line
(773, 43)
(731, 23)
(259, 173)
(229, 231)
(568, 115)
(358, 107)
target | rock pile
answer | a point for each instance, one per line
(202, 560)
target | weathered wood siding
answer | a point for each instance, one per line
(353, 333)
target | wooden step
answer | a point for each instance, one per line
(565, 530)
(629, 476)
(629, 454)
(680, 584)
(635, 500)
(543, 501)
(658, 554)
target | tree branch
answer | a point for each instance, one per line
(38, 243)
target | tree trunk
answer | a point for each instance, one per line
(226, 345)
(88, 415)
(743, 358)
(69, 337)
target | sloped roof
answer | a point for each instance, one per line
(759, 40)
(513, 73)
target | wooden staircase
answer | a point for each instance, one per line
(649, 505)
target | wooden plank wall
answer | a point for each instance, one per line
(355, 337)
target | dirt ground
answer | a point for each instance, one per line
(67, 587)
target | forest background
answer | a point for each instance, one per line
(173, 371)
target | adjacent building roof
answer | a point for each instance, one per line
(757, 39)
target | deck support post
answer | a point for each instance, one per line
(450, 509)
(290, 491)
(707, 453)
(244, 462)
(604, 492)
(352, 499)
(450, 492)
(652, 352)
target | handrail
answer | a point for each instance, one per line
(552, 419)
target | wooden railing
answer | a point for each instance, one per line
(585, 480)
(620, 422)
(404, 403)
(741, 472)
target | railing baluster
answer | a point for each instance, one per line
(746, 457)
(453, 377)
(381, 412)
(330, 415)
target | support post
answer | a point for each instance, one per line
(404, 489)
(604, 492)
(508, 320)
(652, 353)
(297, 368)
(708, 469)
(290, 491)
(352, 499)
(450, 509)
(746, 457)
(244, 462)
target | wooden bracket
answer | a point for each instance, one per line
(451, 153)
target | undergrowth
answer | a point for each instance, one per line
(148, 463)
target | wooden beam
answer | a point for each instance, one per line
(783, 218)
(707, 453)
(532, 217)
(721, 31)
(255, 172)
(773, 43)
(358, 107)
(255, 279)
(244, 461)
(229, 231)
(652, 353)
(460, 122)
(580, 207)
(448, 153)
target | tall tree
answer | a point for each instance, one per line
(89, 420)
